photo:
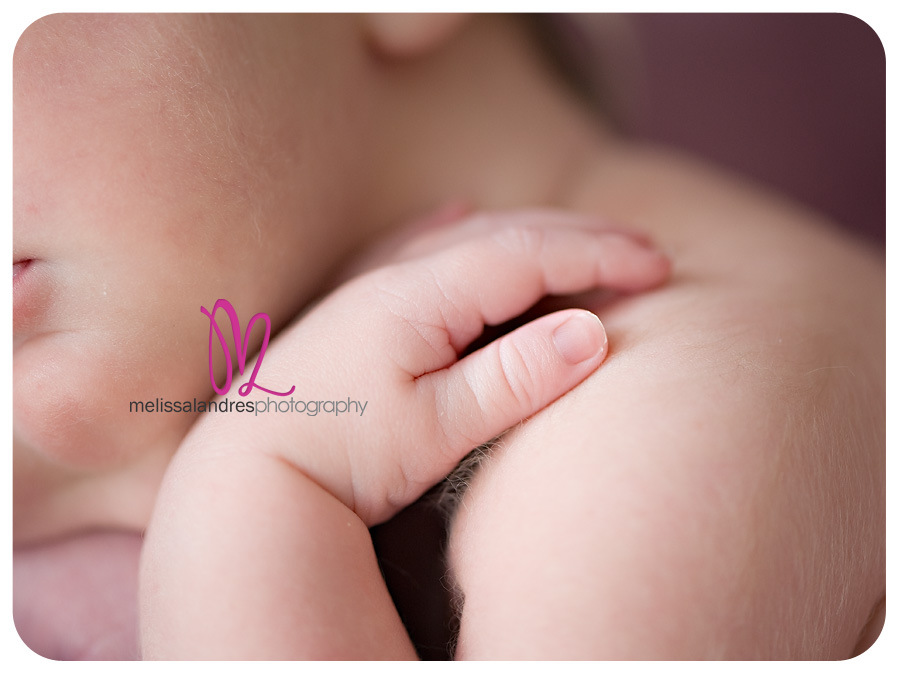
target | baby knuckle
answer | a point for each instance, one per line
(521, 240)
(516, 378)
(387, 283)
(459, 415)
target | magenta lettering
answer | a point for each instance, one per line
(240, 346)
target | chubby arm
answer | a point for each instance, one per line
(259, 545)
(250, 559)
(716, 490)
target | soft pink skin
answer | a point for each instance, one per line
(259, 194)
(147, 184)
(75, 599)
(304, 589)
(717, 489)
(134, 213)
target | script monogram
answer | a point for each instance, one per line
(240, 345)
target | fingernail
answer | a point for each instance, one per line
(637, 236)
(579, 338)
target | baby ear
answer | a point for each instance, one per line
(408, 35)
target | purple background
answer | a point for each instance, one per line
(796, 101)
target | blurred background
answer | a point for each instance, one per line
(796, 101)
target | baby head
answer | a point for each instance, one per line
(161, 163)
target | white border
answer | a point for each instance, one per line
(876, 14)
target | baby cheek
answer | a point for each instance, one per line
(53, 414)
(71, 406)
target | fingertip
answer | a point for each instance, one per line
(580, 337)
(648, 268)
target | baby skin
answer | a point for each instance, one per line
(259, 547)
(715, 490)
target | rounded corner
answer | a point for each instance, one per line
(871, 634)
(27, 29)
(862, 23)
(31, 651)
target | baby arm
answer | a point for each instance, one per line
(259, 546)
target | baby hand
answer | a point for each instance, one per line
(394, 337)
(259, 546)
